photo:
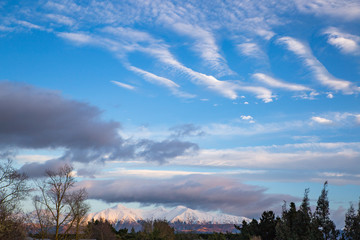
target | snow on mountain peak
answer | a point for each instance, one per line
(120, 213)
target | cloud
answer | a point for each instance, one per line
(330, 95)
(186, 130)
(319, 71)
(79, 38)
(172, 86)
(61, 19)
(251, 50)
(342, 9)
(29, 25)
(322, 120)
(123, 85)
(346, 43)
(38, 119)
(164, 150)
(247, 118)
(205, 42)
(315, 156)
(276, 83)
(209, 193)
(36, 170)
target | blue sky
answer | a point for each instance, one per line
(222, 105)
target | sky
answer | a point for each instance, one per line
(231, 106)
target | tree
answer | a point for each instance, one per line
(248, 231)
(157, 229)
(101, 230)
(79, 209)
(352, 223)
(13, 189)
(43, 217)
(66, 207)
(322, 216)
(304, 218)
(286, 227)
(267, 225)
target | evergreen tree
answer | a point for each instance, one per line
(248, 230)
(304, 218)
(267, 225)
(286, 228)
(352, 223)
(322, 217)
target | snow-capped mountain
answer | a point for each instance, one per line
(120, 213)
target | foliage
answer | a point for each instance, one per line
(157, 230)
(352, 223)
(101, 230)
(322, 216)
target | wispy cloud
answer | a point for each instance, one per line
(172, 86)
(61, 19)
(123, 85)
(205, 45)
(276, 83)
(345, 42)
(322, 120)
(343, 9)
(251, 49)
(319, 71)
(79, 38)
(307, 156)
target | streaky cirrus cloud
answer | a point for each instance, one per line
(345, 42)
(276, 83)
(123, 85)
(251, 49)
(144, 42)
(162, 81)
(348, 10)
(210, 193)
(320, 72)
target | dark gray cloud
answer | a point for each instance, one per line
(206, 192)
(186, 130)
(35, 118)
(35, 170)
(161, 151)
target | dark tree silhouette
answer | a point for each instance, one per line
(322, 216)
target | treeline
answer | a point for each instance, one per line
(60, 211)
(301, 223)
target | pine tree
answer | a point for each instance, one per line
(304, 218)
(267, 225)
(322, 216)
(352, 223)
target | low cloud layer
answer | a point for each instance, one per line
(210, 193)
(38, 119)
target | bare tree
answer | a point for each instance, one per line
(13, 188)
(67, 208)
(79, 209)
(43, 217)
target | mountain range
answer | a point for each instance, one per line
(179, 214)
